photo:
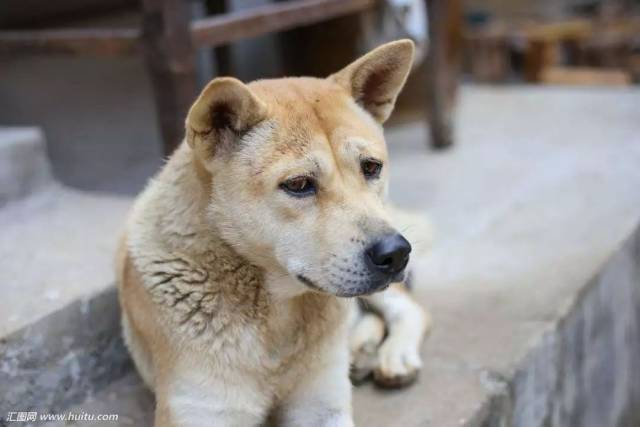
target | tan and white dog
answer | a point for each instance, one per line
(240, 255)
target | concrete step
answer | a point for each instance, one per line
(564, 377)
(58, 328)
(532, 283)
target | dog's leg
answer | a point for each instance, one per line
(323, 398)
(191, 399)
(407, 323)
(366, 335)
(138, 350)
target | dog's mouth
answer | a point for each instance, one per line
(309, 283)
(357, 292)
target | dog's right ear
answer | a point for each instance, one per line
(375, 80)
(224, 111)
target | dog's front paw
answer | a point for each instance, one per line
(398, 363)
(363, 362)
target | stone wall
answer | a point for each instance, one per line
(586, 371)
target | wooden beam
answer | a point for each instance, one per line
(214, 31)
(16, 14)
(102, 42)
(552, 32)
(253, 22)
(585, 76)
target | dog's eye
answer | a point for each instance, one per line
(371, 168)
(300, 186)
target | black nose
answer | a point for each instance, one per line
(390, 254)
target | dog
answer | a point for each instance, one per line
(261, 264)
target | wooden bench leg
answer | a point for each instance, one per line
(222, 53)
(443, 58)
(170, 60)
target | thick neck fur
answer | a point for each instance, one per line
(174, 206)
(198, 280)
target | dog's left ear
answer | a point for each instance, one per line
(223, 112)
(375, 80)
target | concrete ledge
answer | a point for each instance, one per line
(586, 371)
(583, 371)
(65, 357)
(59, 337)
(57, 244)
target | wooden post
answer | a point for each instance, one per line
(443, 58)
(488, 54)
(541, 53)
(223, 54)
(170, 59)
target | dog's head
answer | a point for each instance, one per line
(298, 171)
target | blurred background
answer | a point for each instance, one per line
(111, 102)
(517, 135)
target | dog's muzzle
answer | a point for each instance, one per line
(387, 258)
